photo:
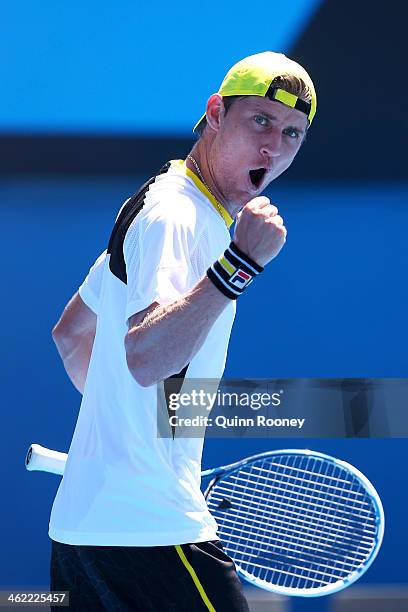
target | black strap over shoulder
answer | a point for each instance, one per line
(128, 213)
(117, 263)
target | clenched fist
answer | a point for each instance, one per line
(259, 231)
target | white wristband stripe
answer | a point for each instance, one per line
(227, 252)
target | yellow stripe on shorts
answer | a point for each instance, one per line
(194, 576)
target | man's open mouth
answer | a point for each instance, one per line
(256, 176)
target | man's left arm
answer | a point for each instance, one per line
(74, 337)
(75, 331)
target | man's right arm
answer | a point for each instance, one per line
(162, 340)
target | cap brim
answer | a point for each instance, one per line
(198, 122)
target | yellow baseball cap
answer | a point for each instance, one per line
(254, 76)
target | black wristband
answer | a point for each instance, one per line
(233, 272)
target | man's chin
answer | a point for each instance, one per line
(243, 197)
(255, 192)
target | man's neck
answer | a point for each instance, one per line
(200, 154)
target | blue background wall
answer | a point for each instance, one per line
(333, 304)
(128, 66)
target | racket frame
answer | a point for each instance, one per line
(216, 474)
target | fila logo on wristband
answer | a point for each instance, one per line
(233, 272)
(240, 279)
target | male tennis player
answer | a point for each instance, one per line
(130, 526)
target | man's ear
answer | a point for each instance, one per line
(215, 111)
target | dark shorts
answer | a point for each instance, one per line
(199, 577)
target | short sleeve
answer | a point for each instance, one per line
(90, 289)
(158, 250)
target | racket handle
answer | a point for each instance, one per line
(42, 459)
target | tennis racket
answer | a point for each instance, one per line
(295, 522)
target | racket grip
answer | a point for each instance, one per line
(42, 459)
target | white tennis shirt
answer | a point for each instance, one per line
(123, 485)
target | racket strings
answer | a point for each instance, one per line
(304, 482)
(333, 548)
(318, 495)
(324, 571)
(280, 494)
(289, 508)
(286, 553)
(309, 495)
(330, 539)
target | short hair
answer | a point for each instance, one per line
(287, 82)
